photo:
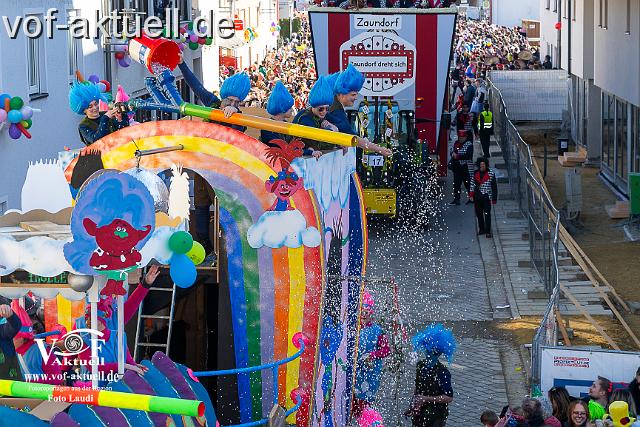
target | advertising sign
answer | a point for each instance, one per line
(576, 369)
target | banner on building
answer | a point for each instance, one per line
(576, 369)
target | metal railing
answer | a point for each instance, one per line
(298, 341)
(543, 219)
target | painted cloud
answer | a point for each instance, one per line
(278, 229)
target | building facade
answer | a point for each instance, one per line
(510, 13)
(598, 43)
(41, 69)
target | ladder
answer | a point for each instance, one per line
(141, 338)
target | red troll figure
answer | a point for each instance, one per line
(283, 187)
(116, 253)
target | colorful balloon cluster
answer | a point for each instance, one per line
(250, 34)
(187, 253)
(275, 29)
(18, 115)
(187, 36)
(122, 55)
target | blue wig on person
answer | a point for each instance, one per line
(82, 94)
(350, 80)
(332, 79)
(321, 93)
(280, 101)
(435, 339)
(237, 85)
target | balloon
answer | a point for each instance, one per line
(182, 271)
(208, 41)
(180, 242)
(190, 26)
(123, 63)
(16, 103)
(196, 254)
(193, 46)
(107, 84)
(94, 79)
(182, 46)
(3, 115)
(102, 87)
(119, 55)
(26, 123)
(27, 112)
(202, 41)
(193, 38)
(14, 132)
(14, 116)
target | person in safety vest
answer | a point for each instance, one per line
(485, 126)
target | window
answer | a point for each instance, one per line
(608, 137)
(183, 6)
(635, 138)
(4, 204)
(621, 140)
(564, 9)
(605, 23)
(573, 11)
(555, 5)
(74, 47)
(548, 6)
(600, 13)
(36, 66)
(628, 31)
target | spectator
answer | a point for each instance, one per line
(320, 99)
(533, 412)
(489, 418)
(578, 415)
(634, 388)
(547, 62)
(484, 193)
(560, 401)
(599, 394)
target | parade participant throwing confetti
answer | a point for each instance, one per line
(433, 392)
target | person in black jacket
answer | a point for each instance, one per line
(484, 193)
(461, 157)
(634, 389)
(9, 326)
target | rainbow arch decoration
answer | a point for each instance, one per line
(274, 292)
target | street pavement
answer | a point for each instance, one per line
(440, 276)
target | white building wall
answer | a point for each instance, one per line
(510, 13)
(548, 33)
(617, 53)
(55, 127)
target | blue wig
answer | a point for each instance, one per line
(280, 101)
(237, 85)
(350, 80)
(321, 93)
(332, 79)
(435, 339)
(82, 94)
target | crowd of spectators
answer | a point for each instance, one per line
(292, 63)
(559, 409)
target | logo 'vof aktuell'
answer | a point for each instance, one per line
(73, 344)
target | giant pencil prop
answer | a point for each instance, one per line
(291, 129)
(113, 399)
(285, 128)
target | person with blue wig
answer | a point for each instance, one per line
(233, 91)
(346, 86)
(433, 391)
(280, 108)
(84, 98)
(320, 98)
